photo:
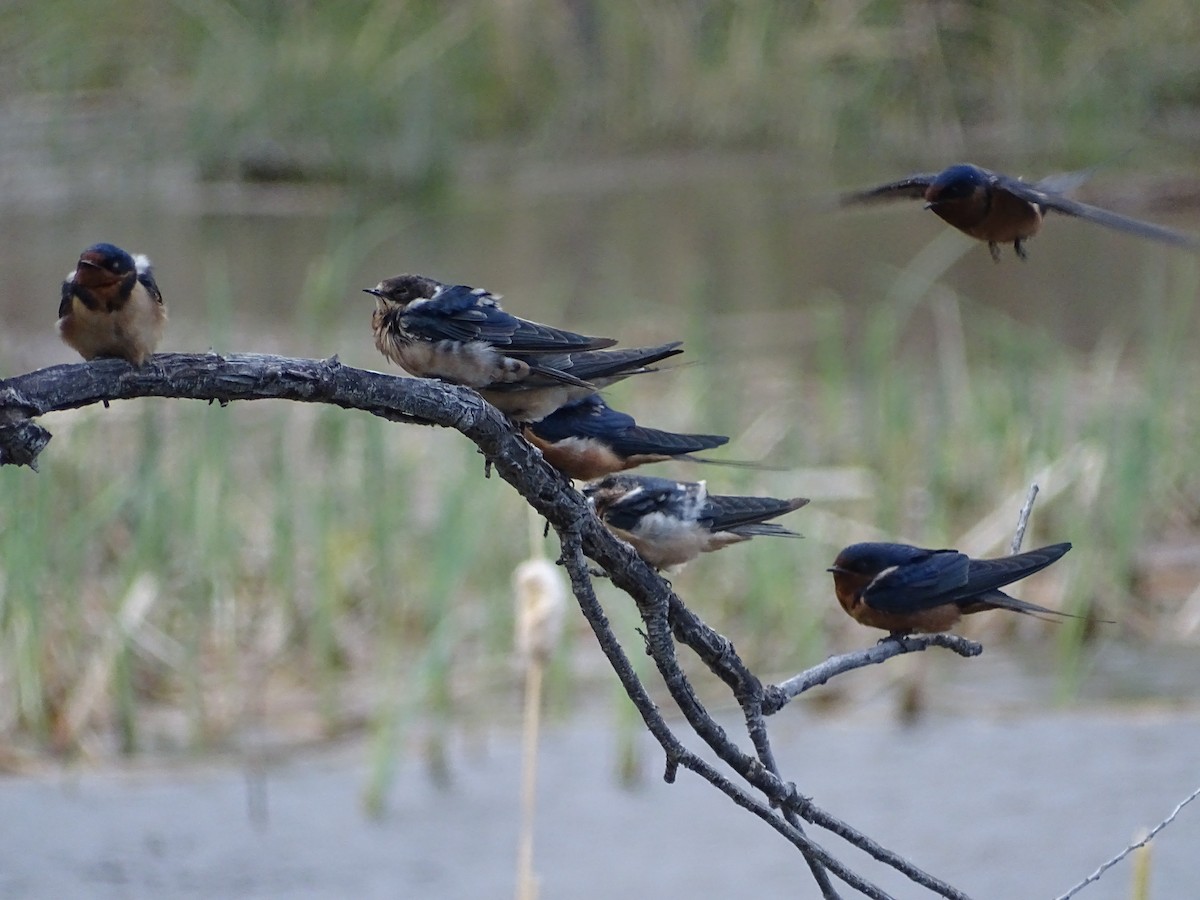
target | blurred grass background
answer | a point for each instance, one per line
(401, 92)
(183, 578)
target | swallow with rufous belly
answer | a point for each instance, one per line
(902, 589)
(1000, 209)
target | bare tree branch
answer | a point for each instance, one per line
(223, 379)
(777, 696)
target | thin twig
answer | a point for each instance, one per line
(1095, 876)
(1023, 520)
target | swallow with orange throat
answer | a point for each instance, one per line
(903, 589)
(111, 306)
(670, 523)
(1000, 209)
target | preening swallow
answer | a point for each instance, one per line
(111, 306)
(902, 589)
(540, 395)
(670, 523)
(1000, 209)
(588, 439)
(461, 335)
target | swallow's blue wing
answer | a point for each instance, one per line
(744, 514)
(1049, 199)
(947, 576)
(461, 313)
(593, 365)
(990, 574)
(595, 419)
(921, 580)
(590, 417)
(912, 187)
(145, 274)
(64, 303)
(639, 441)
(653, 495)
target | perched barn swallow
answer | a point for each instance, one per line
(901, 588)
(111, 306)
(589, 439)
(1001, 209)
(540, 395)
(670, 523)
(461, 335)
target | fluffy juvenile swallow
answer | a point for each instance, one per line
(902, 589)
(670, 523)
(111, 306)
(540, 395)
(461, 335)
(589, 439)
(1000, 209)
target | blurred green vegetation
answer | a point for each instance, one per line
(395, 90)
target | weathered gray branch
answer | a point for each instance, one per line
(777, 696)
(227, 378)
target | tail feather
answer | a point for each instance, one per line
(559, 376)
(732, 463)
(764, 529)
(621, 363)
(733, 513)
(987, 575)
(1000, 600)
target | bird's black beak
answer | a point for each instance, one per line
(835, 569)
(374, 292)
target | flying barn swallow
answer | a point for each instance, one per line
(670, 523)
(902, 589)
(461, 335)
(588, 439)
(540, 395)
(111, 306)
(1000, 209)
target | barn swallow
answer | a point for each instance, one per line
(902, 589)
(539, 395)
(461, 335)
(111, 306)
(1000, 209)
(670, 523)
(589, 439)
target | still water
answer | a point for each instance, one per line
(731, 255)
(1007, 808)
